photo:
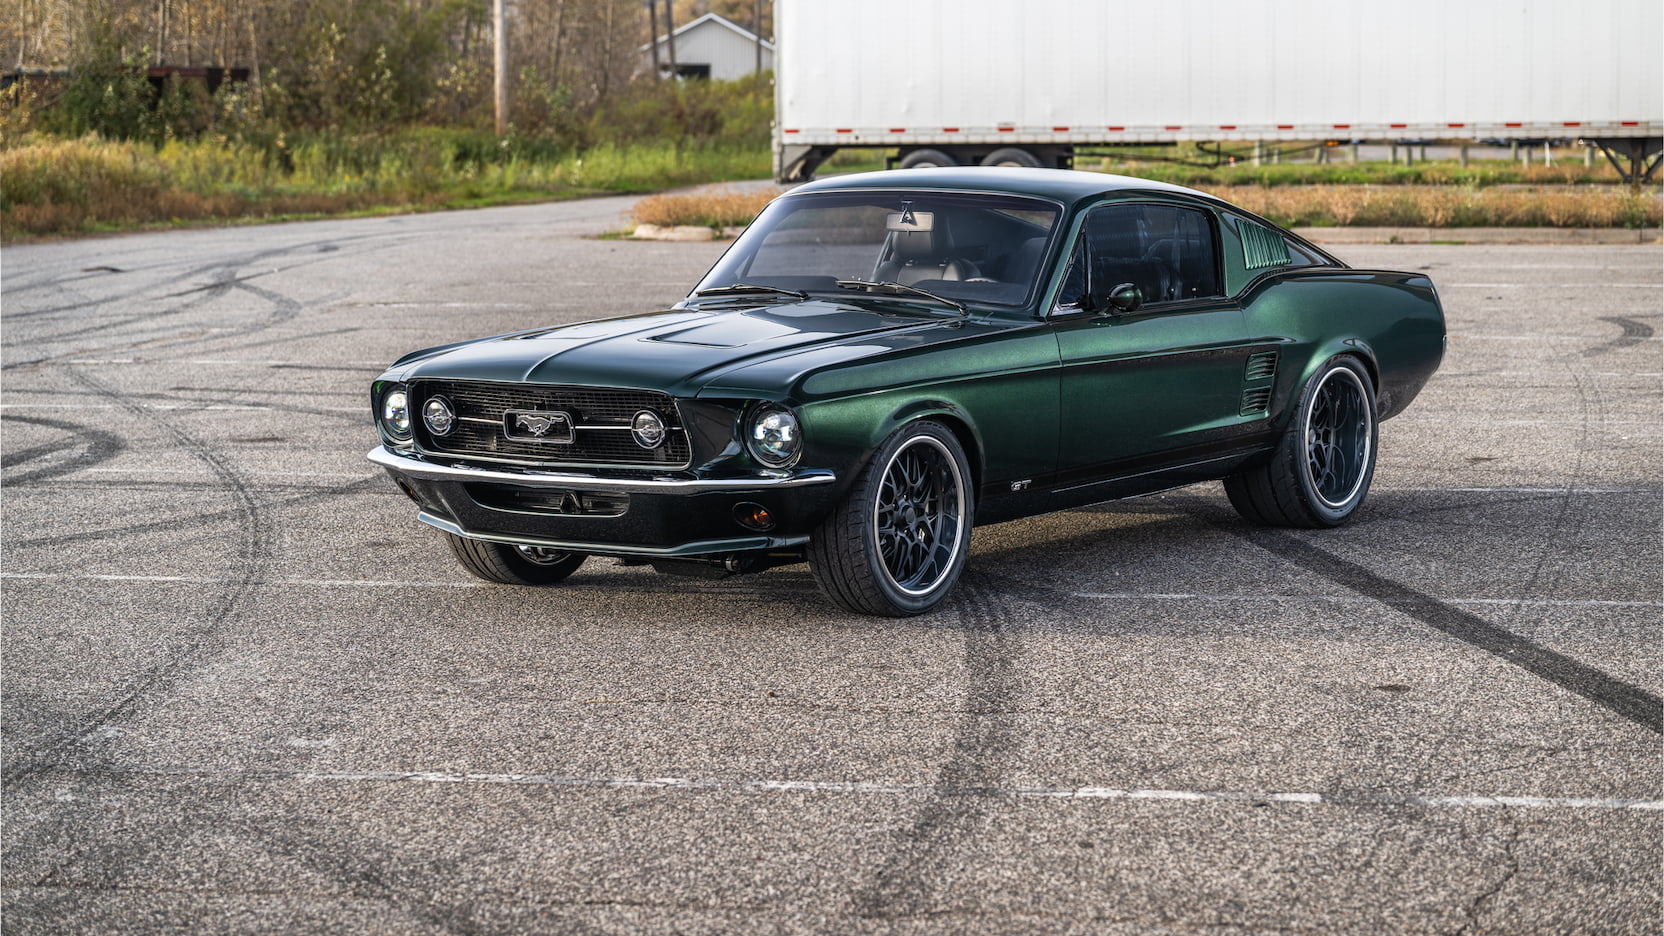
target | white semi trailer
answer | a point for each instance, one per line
(1034, 82)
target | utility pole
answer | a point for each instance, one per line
(757, 28)
(500, 39)
(653, 35)
(670, 34)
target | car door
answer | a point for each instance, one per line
(1158, 384)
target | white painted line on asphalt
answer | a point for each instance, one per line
(691, 784)
(230, 580)
(1556, 285)
(1602, 339)
(1446, 420)
(286, 475)
(193, 407)
(215, 362)
(1487, 375)
(112, 406)
(1101, 596)
(1360, 599)
(1501, 490)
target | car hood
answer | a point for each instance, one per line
(678, 351)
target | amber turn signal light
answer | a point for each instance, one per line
(753, 516)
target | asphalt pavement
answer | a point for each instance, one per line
(246, 692)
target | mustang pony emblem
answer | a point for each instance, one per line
(538, 426)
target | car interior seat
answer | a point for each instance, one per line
(916, 256)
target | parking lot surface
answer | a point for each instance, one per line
(246, 692)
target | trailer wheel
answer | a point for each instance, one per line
(927, 159)
(1013, 156)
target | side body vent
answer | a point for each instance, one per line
(1258, 375)
(1261, 366)
(1261, 248)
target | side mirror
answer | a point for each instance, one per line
(1125, 298)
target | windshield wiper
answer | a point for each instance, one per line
(751, 288)
(901, 287)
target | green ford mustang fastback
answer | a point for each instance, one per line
(885, 360)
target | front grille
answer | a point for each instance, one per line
(601, 417)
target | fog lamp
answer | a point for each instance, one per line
(753, 516)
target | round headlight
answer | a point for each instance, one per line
(395, 414)
(774, 437)
(648, 429)
(438, 415)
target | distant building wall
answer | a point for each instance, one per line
(713, 47)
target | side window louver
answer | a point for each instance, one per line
(1261, 248)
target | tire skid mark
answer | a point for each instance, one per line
(225, 278)
(96, 446)
(372, 873)
(195, 521)
(253, 557)
(1621, 698)
(1633, 334)
(919, 865)
(106, 327)
(138, 291)
(286, 340)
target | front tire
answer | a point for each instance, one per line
(897, 544)
(513, 565)
(1322, 468)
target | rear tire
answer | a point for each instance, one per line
(898, 542)
(927, 159)
(1013, 156)
(513, 565)
(1323, 465)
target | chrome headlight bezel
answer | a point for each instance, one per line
(774, 435)
(393, 413)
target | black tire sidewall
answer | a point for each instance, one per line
(1015, 155)
(1321, 513)
(539, 573)
(502, 563)
(933, 157)
(868, 491)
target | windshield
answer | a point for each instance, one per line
(981, 249)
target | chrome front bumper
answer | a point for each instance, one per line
(668, 517)
(418, 466)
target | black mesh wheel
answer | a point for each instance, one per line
(513, 565)
(897, 544)
(1321, 470)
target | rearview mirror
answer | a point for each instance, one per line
(909, 221)
(1125, 298)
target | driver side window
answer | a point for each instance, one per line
(1167, 252)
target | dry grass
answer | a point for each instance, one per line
(715, 208)
(1448, 206)
(1302, 206)
(51, 185)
